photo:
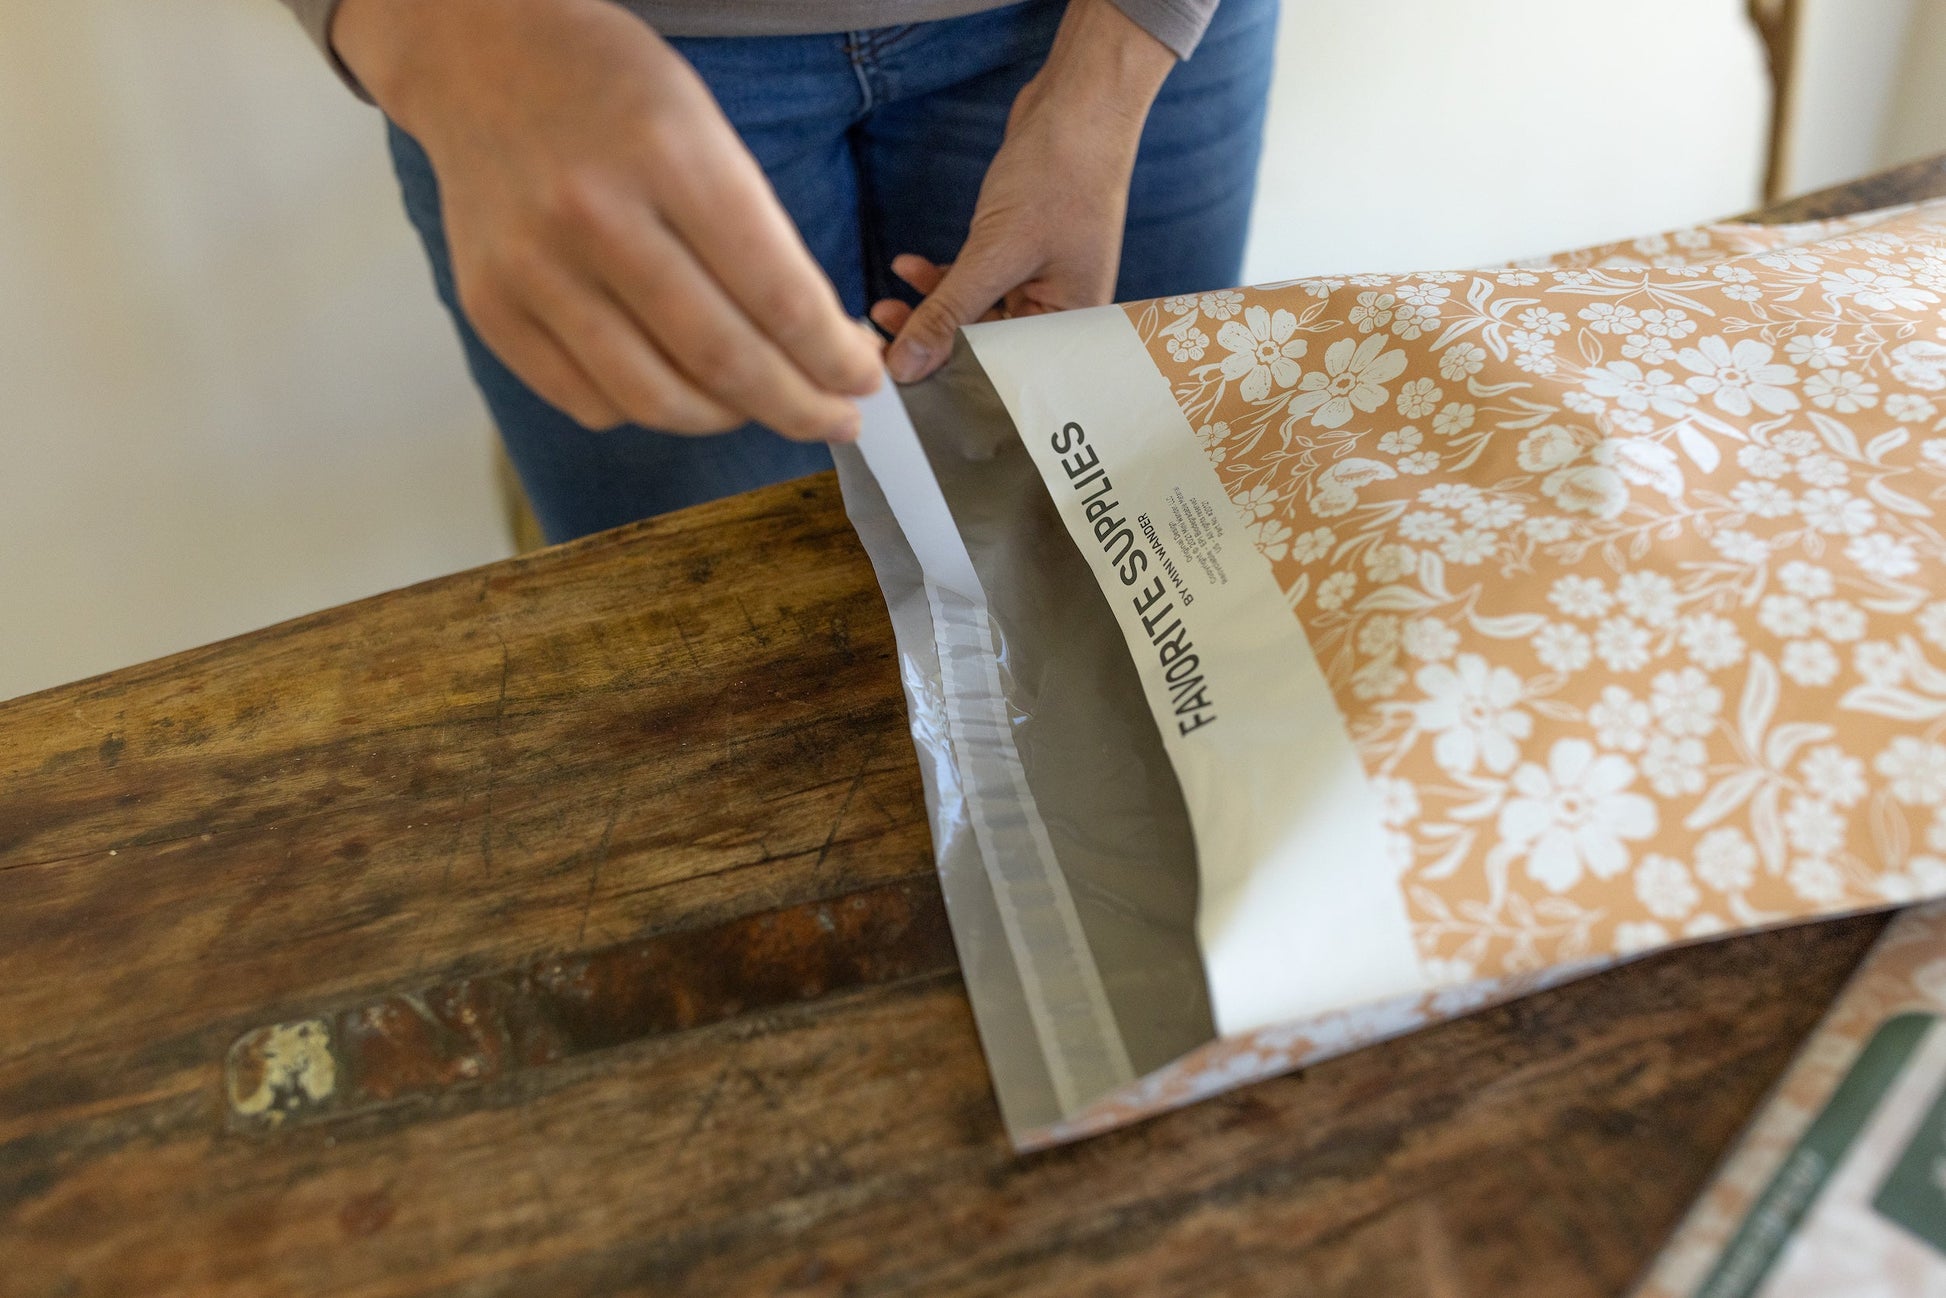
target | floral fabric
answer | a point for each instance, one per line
(1626, 570)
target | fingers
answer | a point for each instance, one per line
(726, 211)
(983, 274)
(526, 346)
(636, 378)
(714, 345)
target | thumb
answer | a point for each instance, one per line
(980, 276)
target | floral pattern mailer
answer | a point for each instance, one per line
(1625, 571)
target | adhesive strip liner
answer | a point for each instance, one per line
(1010, 715)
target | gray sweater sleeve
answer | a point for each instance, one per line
(315, 15)
(1178, 24)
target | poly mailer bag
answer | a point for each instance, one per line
(1838, 1186)
(1294, 666)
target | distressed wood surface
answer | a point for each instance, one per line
(567, 927)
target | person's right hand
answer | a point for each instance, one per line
(612, 240)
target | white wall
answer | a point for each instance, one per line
(1414, 134)
(226, 394)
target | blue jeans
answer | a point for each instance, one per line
(876, 143)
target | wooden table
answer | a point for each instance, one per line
(568, 927)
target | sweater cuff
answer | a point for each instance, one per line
(315, 16)
(1178, 24)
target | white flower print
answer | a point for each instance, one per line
(1429, 640)
(1639, 935)
(1610, 318)
(1622, 645)
(1412, 322)
(1625, 383)
(1674, 767)
(1883, 556)
(1313, 545)
(1878, 663)
(1562, 647)
(1795, 441)
(1648, 597)
(1648, 349)
(1379, 680)
(1400, 440)
(1384, 563)
(1923, 877)
(1373, 311)
(1711, 642)
(1580, 596)
(1334, 590)
(1663, 886)
(1822, 471)
(1188, 346)
(1453, 419)
(1273, 537)
(1587, 489)
(1836, 513)
(1261, 349)
(1461, 361)
(1468, 547)
(1909, 408)
(1839, 620)
(1726, 860)
(1672, 323)
(1763, 499)
(1418, 398)
(1816, 880)
(1354, 377)
(1181, 304)
(1815, 350)
(1221, 304)
(1738, 377)
(1425, 525)
(1763, 461)
(1493, 511)
(1576, 815)
(1547, 448)
(1684, 702)
(1813, 826)
(1805, 579)
(1541, 320)
(1834, 773)
(1470, 707)
(1916, 769)
(1425, 292)
(1932, 623)
(1449, 495)
(1841, 390)
(1379, 635)
(1545, 530)
(1811, 663)
(1875, 291)
(1785, 616)
(1419, 462)
(1620, 720)
(1398, 800)
(1705, 925)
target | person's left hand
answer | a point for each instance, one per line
(1047, 227)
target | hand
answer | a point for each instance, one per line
(1047, 227)
(612, 240)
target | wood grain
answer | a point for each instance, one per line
(634, 826)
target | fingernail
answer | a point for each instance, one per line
(908, 362)
(843, 433)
